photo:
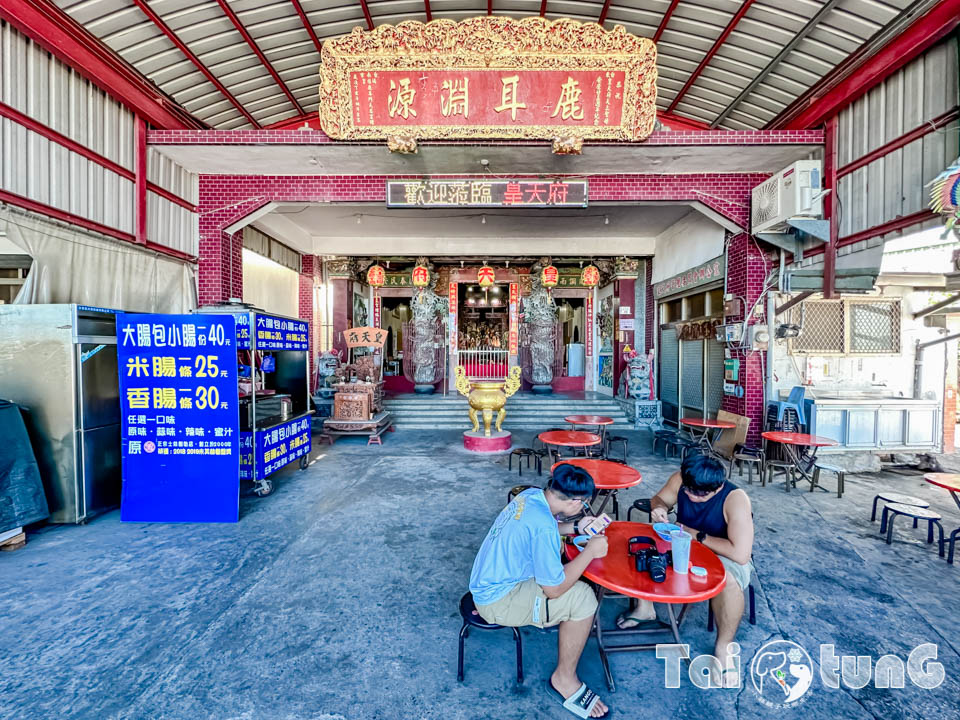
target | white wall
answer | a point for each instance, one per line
(883, 374)
(270, 286)
(690, 241)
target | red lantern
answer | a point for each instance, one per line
(486, 276)
(549, 276)
(590, 276)
(420, 276)
(376, 276)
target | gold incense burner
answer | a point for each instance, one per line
(486, 396)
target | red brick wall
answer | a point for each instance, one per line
(224, 199)
(653, 322)
(747, 269)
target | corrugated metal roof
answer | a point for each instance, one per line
(738, 52)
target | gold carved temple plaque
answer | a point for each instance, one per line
(489, 77)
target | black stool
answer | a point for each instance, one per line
(662, 436)
(516, 490)
(643, 505)
(610, 440)
(899, 499)
(954, 539)
(680, 446)
(752, 618)
(522, 453)
(471, 618)
(917, 513)
(838, 471)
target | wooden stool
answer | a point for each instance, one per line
(898, 498)
(815, 478)
(751, 457)
(784, 466)
(917, 513)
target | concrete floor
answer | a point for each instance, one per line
(336, 598)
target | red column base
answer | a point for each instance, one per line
(478, 442)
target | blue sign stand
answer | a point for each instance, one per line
(180, 420)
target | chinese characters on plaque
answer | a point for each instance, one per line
(487, 193)
(708, 272)
(487, 98)
(179, 417)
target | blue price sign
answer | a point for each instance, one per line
(282, 444)
(180, 424)
(243, 331)
(275, 333)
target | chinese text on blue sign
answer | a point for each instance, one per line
(180, 421)
(282, 444)
(275, 333)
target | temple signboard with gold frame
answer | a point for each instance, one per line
(488, 77)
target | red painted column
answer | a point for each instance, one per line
(747, 269)
(309, 271)
(140, 181)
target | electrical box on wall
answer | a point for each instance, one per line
(731, 369)
(730, 333)
(732, 307)
(759, 337)
(732, 389)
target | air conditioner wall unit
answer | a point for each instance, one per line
(795, 191)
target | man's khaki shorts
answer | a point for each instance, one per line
(740, 573)
(527, 605)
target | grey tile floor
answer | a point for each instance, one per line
(336, 598)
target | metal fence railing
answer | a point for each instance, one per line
(484, 363)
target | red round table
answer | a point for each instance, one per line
(951, 482)
(705, 425)
(616, 574)
(793, 444)
(608, 477)
(600, 422)
(569, 438)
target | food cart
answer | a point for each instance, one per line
(272, 390)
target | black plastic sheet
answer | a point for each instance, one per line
(21, 491)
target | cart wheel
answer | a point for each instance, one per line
(264, 488)
(304, 462)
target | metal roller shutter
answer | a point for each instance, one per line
(669, 372)
(691, 361)
(714, 377)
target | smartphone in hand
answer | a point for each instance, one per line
(596, 525)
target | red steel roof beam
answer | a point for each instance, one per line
(181, 46)
(543, 7)
(228, 11)
(603, 12)
(306, 24)
(666, 19)
(713, 51)
(366, 14)
(426, 9)
(489, 7)
(59, 34)
(862, 70)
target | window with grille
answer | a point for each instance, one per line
(847, 327)
(822, 323)
(874, 327)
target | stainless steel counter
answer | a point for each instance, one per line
(863, 422)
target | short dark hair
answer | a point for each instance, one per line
(701, 472)
(572, 481)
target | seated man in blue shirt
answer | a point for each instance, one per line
(518, 578)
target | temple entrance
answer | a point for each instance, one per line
(483, 330)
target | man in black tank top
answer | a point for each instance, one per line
(718, 514)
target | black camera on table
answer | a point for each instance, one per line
(648, 558)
